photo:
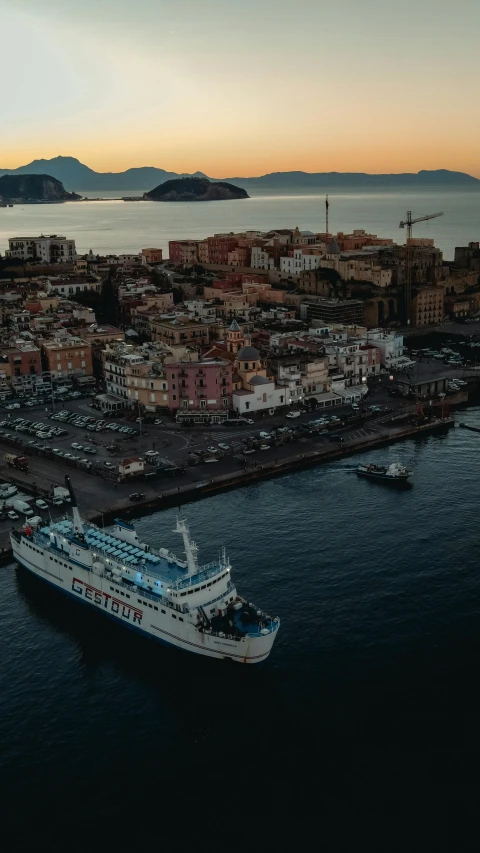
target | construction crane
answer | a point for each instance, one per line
(408, 223)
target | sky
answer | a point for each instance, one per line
(241, 87)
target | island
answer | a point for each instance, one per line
(33, 189)
(195, 189)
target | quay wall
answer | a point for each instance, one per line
(180, 496)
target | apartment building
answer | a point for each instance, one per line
(175, 330)
(428, 306)
(53, 249)
(151, 256)
(205, 385)
(64, 357)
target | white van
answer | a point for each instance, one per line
(21, 506)
(294, 414)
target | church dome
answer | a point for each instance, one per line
(248, 354)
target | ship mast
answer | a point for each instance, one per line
(191, 548)
(77, 519)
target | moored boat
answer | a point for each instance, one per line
(172, 599)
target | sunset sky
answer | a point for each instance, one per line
(242, 87)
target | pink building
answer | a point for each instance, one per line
(197, 386)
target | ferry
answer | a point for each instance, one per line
(394, 474)
(175, 600)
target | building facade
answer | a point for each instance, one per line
(200, 386)
(67, 357)
(53, 249)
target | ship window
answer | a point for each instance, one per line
(138, 599)
(155, 608)
(173, 616)
(122, 593)
(180, 618)
(112, 591)
(149, 605)
(128, 595)
(163, 611)
(182, 594)
(203, 587)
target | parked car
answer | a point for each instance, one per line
(136, 496)
(224, 446)
(41, 504)
(12, 515)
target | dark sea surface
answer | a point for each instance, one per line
(115, 226)
(361, 731)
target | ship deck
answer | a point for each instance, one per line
(132, 557)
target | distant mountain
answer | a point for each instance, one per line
(33, 188)
(195, 189)
(338, 180)
(76, 175)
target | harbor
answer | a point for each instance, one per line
(102, 501)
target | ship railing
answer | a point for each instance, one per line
(133, 588)
(230, 588)
(271, 628)
(204, 572)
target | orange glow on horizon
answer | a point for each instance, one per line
(243, 165)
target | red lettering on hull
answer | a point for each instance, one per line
(107, 601)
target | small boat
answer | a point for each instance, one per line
(395, 474)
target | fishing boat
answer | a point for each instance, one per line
(395, 474)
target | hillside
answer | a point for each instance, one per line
(72, 173)
(34, 188)
(195, 189)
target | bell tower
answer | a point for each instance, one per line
(233, 337)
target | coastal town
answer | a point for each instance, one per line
(254, 351)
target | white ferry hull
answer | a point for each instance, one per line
(155, 621)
